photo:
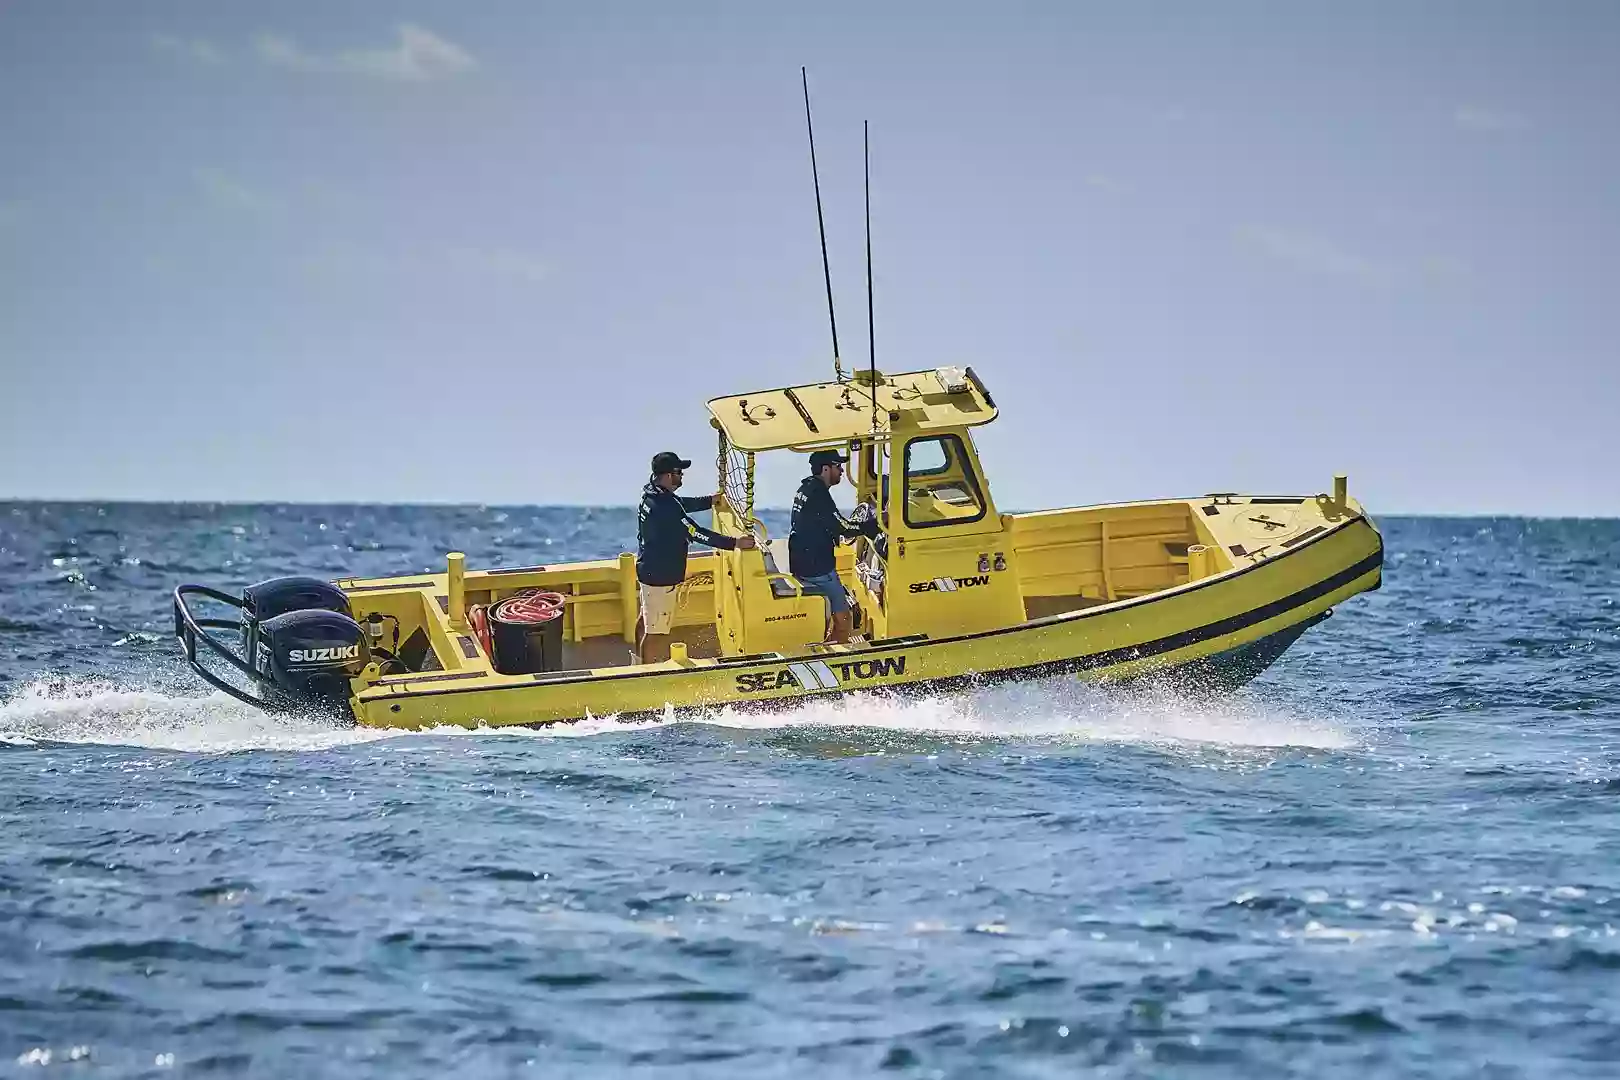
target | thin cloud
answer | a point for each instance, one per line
(1471, 118)
(1446, 270)
(341, 260)
(488, 266)
(1104, 182)
(1316, 255)
(225, 191)
(418, 56)
(198, 51)
(500, 264)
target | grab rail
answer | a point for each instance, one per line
(191, 629)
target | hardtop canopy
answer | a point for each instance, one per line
(824, 414)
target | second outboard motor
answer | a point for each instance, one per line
(278, 596)
(311, 655)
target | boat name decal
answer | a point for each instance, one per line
(820, 675)
(785, 618)
(315, 656)
(949, 584)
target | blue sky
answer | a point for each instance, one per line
(502, 252)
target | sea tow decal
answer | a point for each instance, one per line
(316, 656)
(785, 618)
(820, 675)
(949, 584)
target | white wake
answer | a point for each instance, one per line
(1056, 710)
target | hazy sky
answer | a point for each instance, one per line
(503, 251)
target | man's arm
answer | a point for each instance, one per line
(837, 524)
(700, 535)
(697, 502)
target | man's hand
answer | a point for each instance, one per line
(745, 543)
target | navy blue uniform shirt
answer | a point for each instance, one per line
(663, 531)
(817, 528)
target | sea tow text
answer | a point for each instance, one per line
(820, 675)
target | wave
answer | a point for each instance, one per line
(98, 711)
(1064, 710)
(102, 712)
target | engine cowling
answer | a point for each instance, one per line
(312, 654)
(280, 595)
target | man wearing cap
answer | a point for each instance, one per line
(816, 529)
(663, 530)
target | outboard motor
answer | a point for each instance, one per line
(299, 636)
(311, 655)
(300, 644)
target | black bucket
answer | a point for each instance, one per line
(526, 633)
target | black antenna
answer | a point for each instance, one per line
(826, 270)
(871, 332)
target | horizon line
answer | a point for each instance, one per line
(436, 504)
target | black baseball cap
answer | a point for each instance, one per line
(668, 462)
(826, 457)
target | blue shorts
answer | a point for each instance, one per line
(829, 587)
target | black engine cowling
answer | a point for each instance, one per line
(311, 655)
(280, 595)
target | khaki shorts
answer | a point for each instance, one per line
(658, 608)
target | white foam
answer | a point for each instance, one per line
(96, 711)
(1063, 710)
(1060, 710)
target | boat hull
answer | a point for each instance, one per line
(1211, 634)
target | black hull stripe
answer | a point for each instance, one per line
(1088, 662)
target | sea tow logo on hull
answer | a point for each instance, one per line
(330, 654)
(820, 675)
(949, 584)
(785, 618)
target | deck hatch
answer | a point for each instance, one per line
(1306, 535)
(384, 588)
(552, 676)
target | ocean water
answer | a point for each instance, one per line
(1396, 854)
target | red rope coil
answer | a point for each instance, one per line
(529, 606)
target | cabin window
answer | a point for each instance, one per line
(872, 477)
(941, 488)
(871, 458)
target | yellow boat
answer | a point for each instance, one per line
(1208, 591)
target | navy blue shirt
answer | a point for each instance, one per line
(816, 529)
(663, 532)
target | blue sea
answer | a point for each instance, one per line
(1395, 854)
